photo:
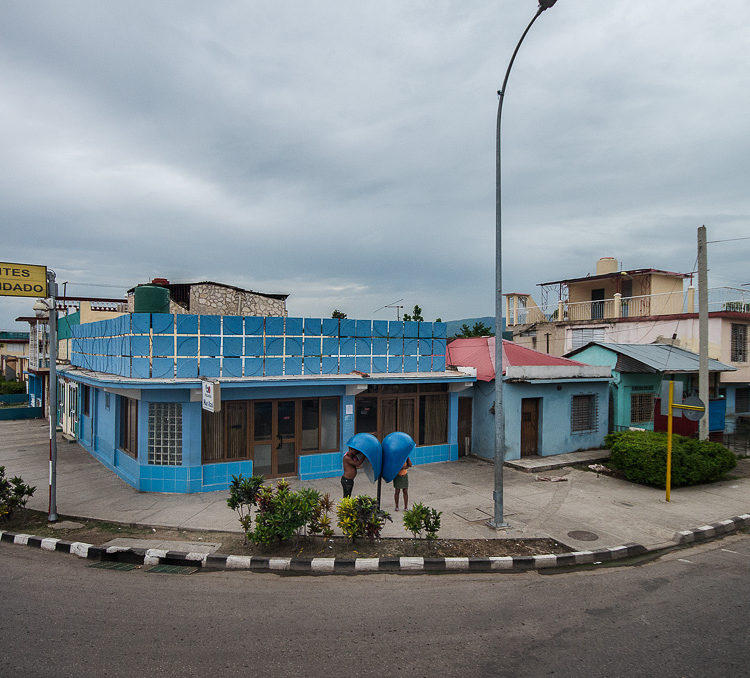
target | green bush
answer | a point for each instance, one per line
(14, 494)
(642, 457)
(280, 513)
(361, 517)
(420, 517)
(11, 387)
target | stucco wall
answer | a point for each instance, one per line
(555, 436)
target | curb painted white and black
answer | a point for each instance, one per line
(404, 564)
(410, 565)
(706, 532)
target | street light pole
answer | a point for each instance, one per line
(498, 520)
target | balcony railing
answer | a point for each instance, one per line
(720, 299)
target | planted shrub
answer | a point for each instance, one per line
(420, 517)
(361, 517)
(243, 495)
(280, 513)
(642, 457)
(14, 494)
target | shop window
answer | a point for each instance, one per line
(421, 411)
(433, 419)
(641, 408)
(320, 424)
(165, 434)
(583, 414)
(129, 426)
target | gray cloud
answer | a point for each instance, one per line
(345, 153)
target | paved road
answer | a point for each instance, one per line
(684, 615)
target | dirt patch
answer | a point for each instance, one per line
(98, 533)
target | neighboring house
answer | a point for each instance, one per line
(639, 306)
(14, 355)
(217, 299)
(638, 371)
(551, 405)
(70, 311)
(292, 392)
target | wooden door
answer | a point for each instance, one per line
(464, 426)
(529, 427)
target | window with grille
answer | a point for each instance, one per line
(742, 400)
(583, 414)
(641, 408)
(165, 434)
(739, 343)
(129, 426)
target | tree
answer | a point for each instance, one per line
(415, 315)
(479, 330)
(338, 314)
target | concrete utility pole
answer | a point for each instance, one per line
(498, 520)
(52, 291)
(703, 330)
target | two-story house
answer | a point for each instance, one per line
(639, 306)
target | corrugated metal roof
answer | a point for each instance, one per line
(660, 357)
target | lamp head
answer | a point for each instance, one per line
(40, 305)
(546, 4)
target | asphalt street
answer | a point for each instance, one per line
(685, 614)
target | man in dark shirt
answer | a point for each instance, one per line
(352, 461)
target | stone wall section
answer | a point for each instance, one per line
(218, 300)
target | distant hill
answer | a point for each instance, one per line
(454, 326)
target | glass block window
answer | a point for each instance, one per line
(739, 343)
(165, 434)
(583, 414)
(641, 408)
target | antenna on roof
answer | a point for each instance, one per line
(393, 304)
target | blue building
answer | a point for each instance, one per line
(551, 405)
(291, 392)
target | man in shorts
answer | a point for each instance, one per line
(352, 461)
(401, 483)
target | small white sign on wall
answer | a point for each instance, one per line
(211, 399)
(350, 409)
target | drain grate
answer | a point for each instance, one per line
(112, 565)
(172, 569)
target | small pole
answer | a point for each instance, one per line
(669, 439)
(52, 290)
(380, 480)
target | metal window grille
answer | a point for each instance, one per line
(641, 408)
(582, 336)
(742, 400)
(739, 343)
(165, 434)
(583, 413)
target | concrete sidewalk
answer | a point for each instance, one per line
(586, 511)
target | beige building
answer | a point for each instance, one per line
(639, 306)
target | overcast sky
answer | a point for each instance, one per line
(344, 152)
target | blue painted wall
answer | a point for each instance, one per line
(555, 436)
(100, 435)
(164, 346)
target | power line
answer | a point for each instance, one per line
(727, 240)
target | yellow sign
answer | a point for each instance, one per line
(23, 280)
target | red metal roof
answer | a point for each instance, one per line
(479, 352)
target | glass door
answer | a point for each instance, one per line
(262, 436)
(275, 438)
(286, 437)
